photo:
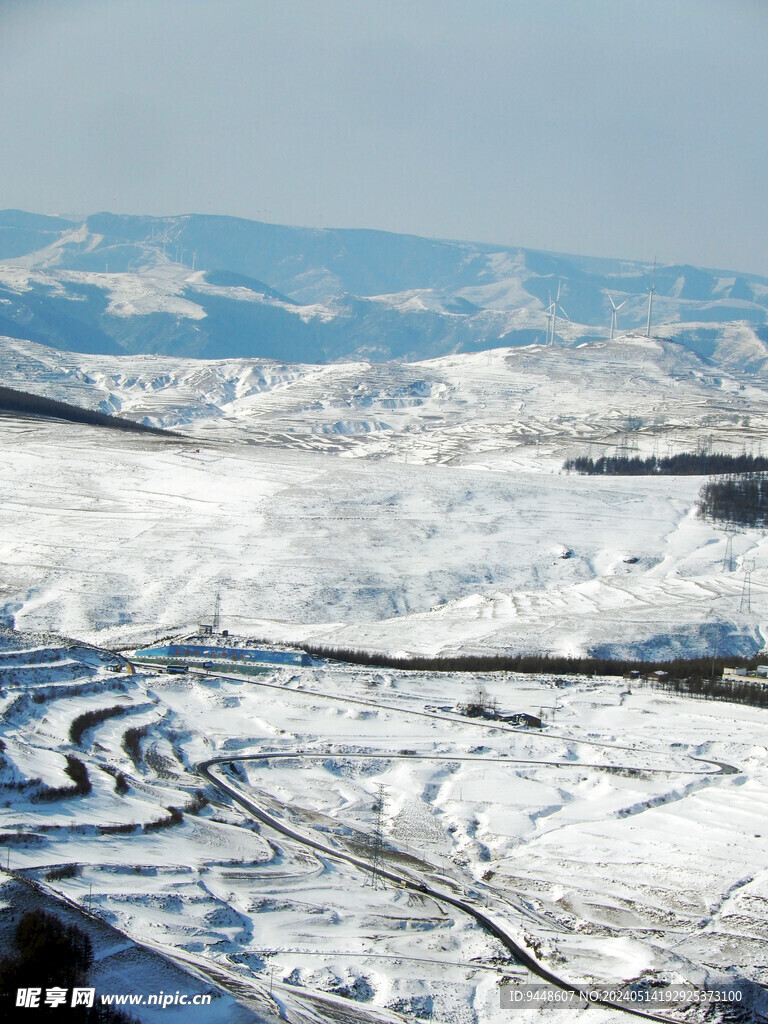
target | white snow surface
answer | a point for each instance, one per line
(404, 508)
(154, 289)
(600, 841)
(411, 507)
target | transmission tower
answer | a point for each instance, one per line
(375, 878)
(730, 532)
(748, 565)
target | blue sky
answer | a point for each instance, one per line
(603, 127)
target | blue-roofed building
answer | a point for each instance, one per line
(243, 655)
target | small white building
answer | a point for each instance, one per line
(757, 675)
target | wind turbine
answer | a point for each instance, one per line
(550, 309)
(552, 314)
(650, 300)
(614, 310)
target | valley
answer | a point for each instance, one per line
(368, 454)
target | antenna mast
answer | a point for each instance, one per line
(216, 612)
(650, 300)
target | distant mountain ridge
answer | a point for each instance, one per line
(218, 287)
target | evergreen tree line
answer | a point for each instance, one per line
(733, 690)
(48, 953)
(684, 464)
(534, 664)
(688, 677)
(23, 402)
(736, 499)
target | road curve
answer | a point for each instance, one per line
(720, 767)
(486, 922)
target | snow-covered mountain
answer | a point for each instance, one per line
(436, 482)
(220, 287)
(320, 490)
(399, 506)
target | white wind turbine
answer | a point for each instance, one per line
(552, 309)
(549, 311)
(614, 310)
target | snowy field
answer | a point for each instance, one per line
(411, 507)
(609, 843)
(397, 507)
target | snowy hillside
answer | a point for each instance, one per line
(418, 507)
(512, 406)
(215, 828)
(214, 287)
(224, 841)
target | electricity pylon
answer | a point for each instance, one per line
(748, 565)
(730, 532)
(375, 877)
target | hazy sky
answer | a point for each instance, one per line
(603, 127)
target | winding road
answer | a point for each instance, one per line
(467, 906)
(484, 918)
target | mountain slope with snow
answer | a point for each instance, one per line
(399, 506)
(213, 287)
